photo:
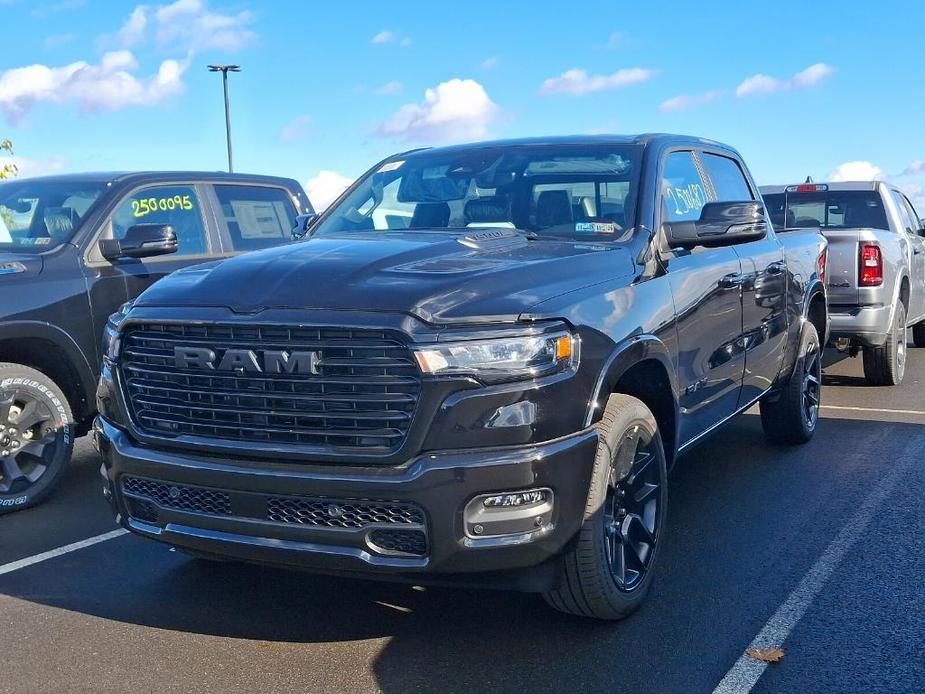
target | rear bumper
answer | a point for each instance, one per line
(440, 484)
(868, 325)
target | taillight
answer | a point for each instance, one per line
(822, 263)
(871, 261)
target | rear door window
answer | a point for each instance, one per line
(176, 205)
(729, 182)
(256, 216)
(683, 191)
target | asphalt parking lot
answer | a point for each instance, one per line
(818, 550)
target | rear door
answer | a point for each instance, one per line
(913, 229)
(706, 288)
(764, 286)
(111, 283)
(252, 216)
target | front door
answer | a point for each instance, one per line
(111, 283)
(706, 286)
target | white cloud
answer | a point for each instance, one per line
(490, 62)
(857, 171)
(393, 87)
(616, 40)
(28, 168)
(325, 188)
(191, 25)
(765, 84)
(297, 128)
(686, 101)
(578, 82)
(915, 167)
(108, 85)
(132, 31)
(387, 36)
(454, 111)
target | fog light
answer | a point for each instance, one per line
(534, 496)
(525, 513)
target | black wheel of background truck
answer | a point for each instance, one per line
(36, 436)
(918, 334)
(790, 415)
(608, 570)
(886, 365)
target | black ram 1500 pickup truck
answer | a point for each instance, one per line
(75, 247)
(477, 368)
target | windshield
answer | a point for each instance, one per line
(834, 209)
(553, 191)
(36, 215)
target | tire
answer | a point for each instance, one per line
(791, 414)
(918, 334)
(886, 365)
(629, 458)
(32, 457)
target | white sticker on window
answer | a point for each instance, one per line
(596, 227)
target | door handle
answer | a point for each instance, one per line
(776, 268)
(732, 280)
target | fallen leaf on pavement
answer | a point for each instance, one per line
(767, 655)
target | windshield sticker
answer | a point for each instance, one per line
(596, 227)
(390, 166)
(146, 206)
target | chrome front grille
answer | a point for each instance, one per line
(361, 395)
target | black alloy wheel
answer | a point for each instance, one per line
(28, 435)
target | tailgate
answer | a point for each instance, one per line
(843, 265)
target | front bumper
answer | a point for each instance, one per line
(440, 484)
(868, 325)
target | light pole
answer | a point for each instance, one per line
(225, 69)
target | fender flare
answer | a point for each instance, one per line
(86, 374)
(624, 356)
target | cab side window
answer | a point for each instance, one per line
(729, 182)
(177, 206)
(917, 227)
(682, 186)
(905, 216)
(256, 216)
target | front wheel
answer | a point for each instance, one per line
(609, 569)
(790, 415)
(36, 436)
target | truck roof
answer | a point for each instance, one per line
(838, 185)
(640, 139)
(141, 176)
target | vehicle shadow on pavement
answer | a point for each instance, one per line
(745, 521)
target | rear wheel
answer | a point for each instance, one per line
(36, 436)
(609, 569)
(790, 417)
(886, 365)
(918, 334)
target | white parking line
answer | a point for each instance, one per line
(52, 553)
(743, 676)
(885, 410)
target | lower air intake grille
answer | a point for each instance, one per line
(339, 513)
(404, 541)
(196, 499)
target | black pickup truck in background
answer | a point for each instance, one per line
(478, 368)
(73, 248)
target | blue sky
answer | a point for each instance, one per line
(327, 88)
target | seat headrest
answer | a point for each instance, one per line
(60, 222)
(553, 207)
(487, 210)
(430, 215)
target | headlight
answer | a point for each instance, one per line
(112, 338)
(502, 359)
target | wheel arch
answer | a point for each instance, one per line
(641, 367)
(52, 351)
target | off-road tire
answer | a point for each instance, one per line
(886, 365)
(789, 415)
(587, 586)
(21, 384)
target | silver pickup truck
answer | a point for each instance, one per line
(876, 266)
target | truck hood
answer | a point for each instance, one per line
(19, 265)
(439, 277)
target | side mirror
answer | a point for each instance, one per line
(141, 241)
(720, 224)
(302, 224)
